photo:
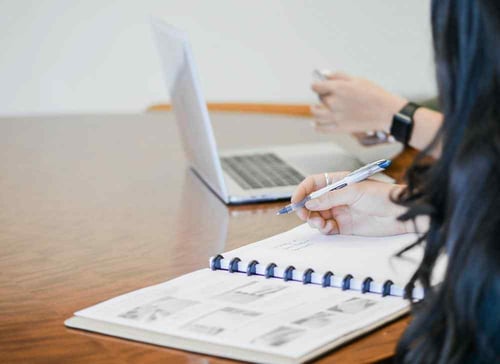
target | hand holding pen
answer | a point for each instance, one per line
(353, 177)
(360, 207)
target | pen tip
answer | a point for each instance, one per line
(282, 211)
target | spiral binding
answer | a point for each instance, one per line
(270, 270)
(306, 278)
(386, 288)
(251, 268)
(288, 276)
(366, 285)
(216, 262)
(233, 265)
(326, 280)
(346, 282)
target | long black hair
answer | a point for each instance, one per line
(459, 320)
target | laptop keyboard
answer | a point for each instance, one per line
(260, 171)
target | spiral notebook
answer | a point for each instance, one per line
(285, 299)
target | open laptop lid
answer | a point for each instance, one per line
(189, 106)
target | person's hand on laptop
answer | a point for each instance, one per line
(362, 208)
(353, 104)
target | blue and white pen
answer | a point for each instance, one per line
(356, 176)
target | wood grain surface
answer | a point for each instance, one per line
(96, 206)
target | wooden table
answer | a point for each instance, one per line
(95, 206)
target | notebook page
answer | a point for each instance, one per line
(253, 313)
(304, 247)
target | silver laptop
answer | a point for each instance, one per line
(236, 176)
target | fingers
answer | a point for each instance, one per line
(345, 196)
(325, 120)
(339, 76)
(328, 87)
(315, 220)
(311, 184)
(321, 114)
(315, 182)
(323, 88)
(308, 185)
(326, 226)
(328, 101)
(331, 227)
(329, 107)
(325, 116)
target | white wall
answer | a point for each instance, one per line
(99, 55)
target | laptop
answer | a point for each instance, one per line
(236, 176)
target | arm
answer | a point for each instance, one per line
(355, 104)
(426, 124)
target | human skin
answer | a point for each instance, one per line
(364, 208)
(351, 103)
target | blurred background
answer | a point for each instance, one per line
(60, 56)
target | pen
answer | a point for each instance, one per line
(356, 176)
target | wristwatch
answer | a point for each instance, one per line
(402, 123)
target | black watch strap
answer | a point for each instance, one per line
(402, 123)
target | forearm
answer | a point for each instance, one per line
(426, 124)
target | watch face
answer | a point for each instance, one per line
(402, 123)
(401, 127)
(403, 118)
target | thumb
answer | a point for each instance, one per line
(323, 87)
(345, 196)
(330, 86)
(339, 76)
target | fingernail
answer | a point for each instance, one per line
(328, 227)
(312, 204)
(316, 222)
